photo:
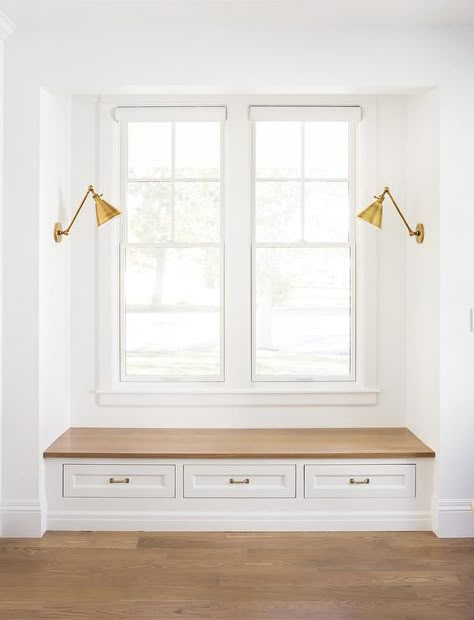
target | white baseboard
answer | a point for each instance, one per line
(454, 518)
(246, 522)
(21, 519)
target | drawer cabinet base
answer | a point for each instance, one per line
(214, 495)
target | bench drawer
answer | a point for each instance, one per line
(369, 480)
(118, 480)
(258, 481)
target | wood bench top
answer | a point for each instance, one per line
(238, 443)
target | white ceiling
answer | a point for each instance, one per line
(324, 12)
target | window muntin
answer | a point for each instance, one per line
(303, 250)
(172, 250)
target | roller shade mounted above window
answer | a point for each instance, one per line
(170, 113)
(305, 113)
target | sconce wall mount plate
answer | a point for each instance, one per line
(58, 232)
(420, 233)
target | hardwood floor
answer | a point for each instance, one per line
(236, 576)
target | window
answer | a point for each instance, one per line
(237, 262)
(172, 252)
(303, 246)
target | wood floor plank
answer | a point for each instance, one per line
(118, 610)
(69, 540)
(237, 576)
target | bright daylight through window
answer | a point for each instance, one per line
(301, 243)
(173, 254)
(302, 256)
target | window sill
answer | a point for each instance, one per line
(256, 397)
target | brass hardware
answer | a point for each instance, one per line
(420, 233)
(364, 481)
(234, 481)
(104, 212)
(374, 212)
(119, 480)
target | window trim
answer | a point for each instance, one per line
(238, 390)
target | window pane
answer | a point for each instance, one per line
(303, 321)
(149, 212)
(326, 150)
(278, 211)
(149, 150)
(172, 313)
(326, 211)
(197, 211)
(278, 149)
(197, 150)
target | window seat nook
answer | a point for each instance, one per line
(239, 479)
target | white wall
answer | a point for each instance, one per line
(1, 261)
(54, 266)
(390, 265)
(421, 199)
(456, 420)
(225, 52)
(36, 351)
(20, 415)
(6, 28)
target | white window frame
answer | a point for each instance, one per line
(125, 115)
(301, 114)
(237, 390)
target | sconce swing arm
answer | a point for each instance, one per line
(58, 232)
(418, 232)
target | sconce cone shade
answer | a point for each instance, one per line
(373, 213)
(104, 210)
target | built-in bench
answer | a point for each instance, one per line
(239, 479)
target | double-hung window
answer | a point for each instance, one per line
(303, 259)
(172, 247)
(239, 270)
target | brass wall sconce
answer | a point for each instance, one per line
(104, 212)
(373, 215)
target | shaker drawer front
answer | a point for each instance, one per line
(258, 481)
(360, 480)
(119, 480)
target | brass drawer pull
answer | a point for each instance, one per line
(364, 481)
(119, 480)
(234, 481)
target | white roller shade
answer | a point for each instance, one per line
(171, 113)
(305, 113)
